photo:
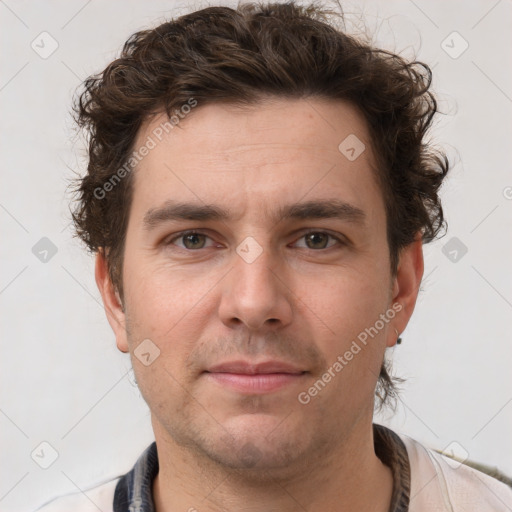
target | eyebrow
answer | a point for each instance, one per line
(318, 209)
(182, 211)
(325, 209)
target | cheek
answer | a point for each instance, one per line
(164, 298)
(345, 301)
(346, 306)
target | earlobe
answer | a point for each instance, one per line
(406, 286)
(111, 301)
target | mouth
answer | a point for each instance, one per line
(251, 378)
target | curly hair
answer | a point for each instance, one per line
(241, 56)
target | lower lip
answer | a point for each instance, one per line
(259, 383)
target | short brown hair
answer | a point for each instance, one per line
(240, 56)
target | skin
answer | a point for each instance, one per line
(302, 300)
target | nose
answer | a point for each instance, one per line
(255, 295)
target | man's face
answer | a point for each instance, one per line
(284, 265)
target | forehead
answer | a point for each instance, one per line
(258, 156)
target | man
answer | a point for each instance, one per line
(258, 193)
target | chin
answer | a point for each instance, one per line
(256, 443)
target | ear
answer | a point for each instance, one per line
(406, 286)
(111, 301)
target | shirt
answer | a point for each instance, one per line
(423, 481)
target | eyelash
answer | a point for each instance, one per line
(181, 235)
(184, 234)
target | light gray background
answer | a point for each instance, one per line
(63, 381)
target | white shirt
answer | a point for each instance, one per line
(438, 484)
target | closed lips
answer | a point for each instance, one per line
(247, 368)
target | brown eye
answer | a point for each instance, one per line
(317, 240)
(194, 240)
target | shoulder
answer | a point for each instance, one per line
(100, 497)
(439, 483)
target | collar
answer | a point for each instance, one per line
(134, 490)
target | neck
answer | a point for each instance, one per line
(345, 477)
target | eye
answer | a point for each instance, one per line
(317, 240)
(191, 240)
